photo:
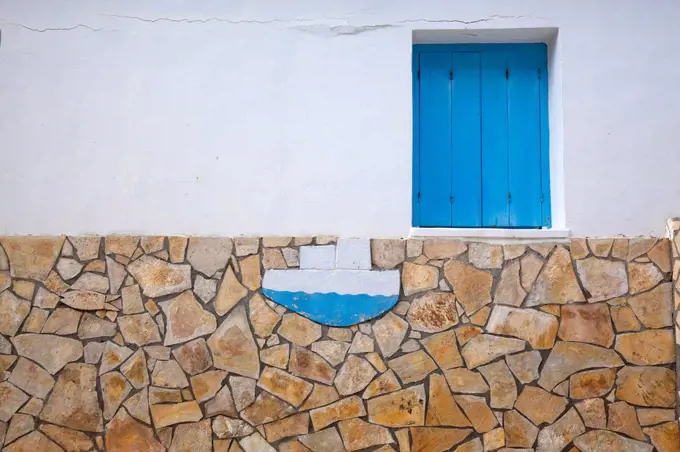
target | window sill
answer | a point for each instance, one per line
(495, 235)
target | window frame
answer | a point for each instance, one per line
(417, 50)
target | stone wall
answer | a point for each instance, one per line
(155, 343)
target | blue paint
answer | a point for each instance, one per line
(524, 142)
(494, 136)
(495, 200)
(546, 214)
(466, 142)
(435, 139)
(334, 309)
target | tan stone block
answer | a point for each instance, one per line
(348, 408)
(443, 348)
(399, 409)
(273, 258)
(525, 365)
(556, 283)
(622, 418)
(159, 278)
(292, 389)
(355, 375)
(73, 401)
(537, 328)
(276, 356)
(310, 365)
(648, 347)
(646, 386)
(231, 291)
(443, 409)
(478, 412)
(540, 406)
(557, 436)
(297, 424)
(193, 357)
(466, 332)
(412, 367)
(233, 346)
(299, 330)
(624, 319)
(32, 257)
(567, 358)
(665, 437)
(433, 439)
(376, 361)
(530, 266)
(519, 431)
(251, 275)
(433, 312)
(418, 278)
(485, 348)
(321, 395)
(653, 416)
(579, 248)
(620, 249)
(471, 286)
(357, 434)
(592, 412)
(510, 290)
(643, 277)
(591, 383)
(207, 384)
(513, 251)
(443, 249)
(502, 384)
(493, 440)
(660, 254)
(638, 246)
(466, 381)
(595, 439)
(384, 384)
(389, 331)
(340, 334)
(162, 395)
(654, 308)
(387, 253)
(266, 408)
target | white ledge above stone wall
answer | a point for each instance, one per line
(495, 235)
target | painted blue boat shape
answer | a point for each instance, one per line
(334, 309)
(333, 297)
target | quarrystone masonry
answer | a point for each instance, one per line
(126, 343)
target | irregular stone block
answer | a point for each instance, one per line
(567, 358)
(587, 323)
(348, 408)
(556, 283)
(471, 286)
(433, 312)
(537, 328)
(399, 409)
(73, 402)
(32, 257)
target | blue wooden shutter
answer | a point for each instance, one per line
(481, 137)
(435, 139)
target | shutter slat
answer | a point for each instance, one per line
(435, 139)
(524, 141)
(466, 183)
(495, 200)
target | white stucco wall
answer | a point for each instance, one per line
(294, 117)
